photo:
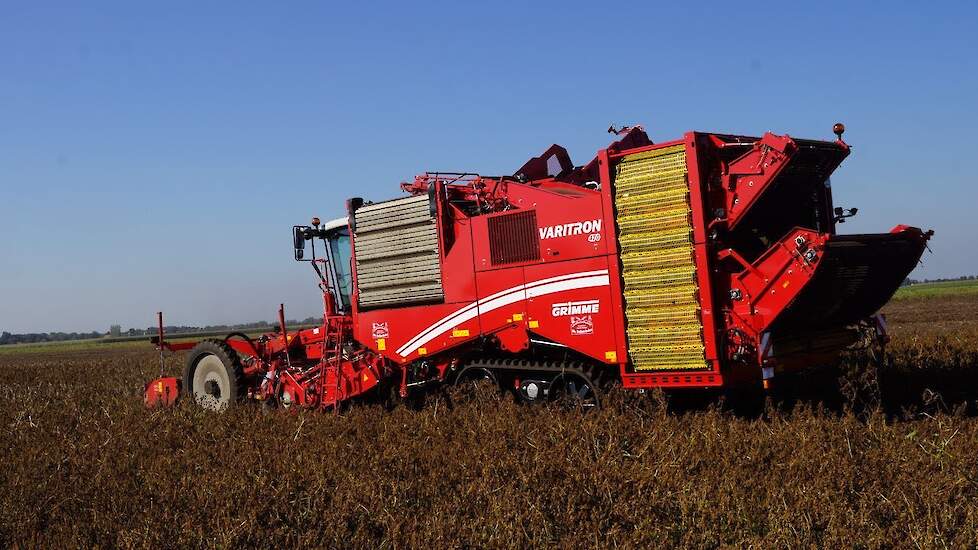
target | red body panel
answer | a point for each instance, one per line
(162, 392)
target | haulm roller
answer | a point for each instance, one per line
(708, 261)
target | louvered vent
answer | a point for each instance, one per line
(513, 238)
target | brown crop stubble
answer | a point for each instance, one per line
(85, 465)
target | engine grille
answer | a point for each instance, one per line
(655, 240)
(513, 237)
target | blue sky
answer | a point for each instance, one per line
(155, 156)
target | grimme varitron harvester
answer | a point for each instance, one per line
(707, 261)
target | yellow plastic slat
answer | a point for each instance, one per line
(651, 206)
(644, 261)
(642, 242)
(664, 328)
(660, 281)
(677, 314)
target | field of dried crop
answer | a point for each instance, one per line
(85, 465)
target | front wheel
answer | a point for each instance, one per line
(213, 376)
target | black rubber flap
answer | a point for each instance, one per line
(857, 276)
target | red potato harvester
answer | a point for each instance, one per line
(708, 261)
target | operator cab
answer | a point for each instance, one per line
(336, 238)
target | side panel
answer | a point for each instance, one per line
(698, 201)
(502, 306)
(406, 333)
(614, 264)
(568, 297)
(569, 224)
(570, 303)
(457, 260)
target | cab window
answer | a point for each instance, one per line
(339, 246)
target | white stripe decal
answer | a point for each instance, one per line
(456, 317)
(560, 286)
(450, 318)
(542, 287)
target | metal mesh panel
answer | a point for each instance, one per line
(662, 311)
(398, 261)
(513, 238)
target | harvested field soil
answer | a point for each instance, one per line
(86, 465)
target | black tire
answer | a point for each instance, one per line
(472, 383)
(475, 375)
(577, 388)
(244, 337)
(213, 377)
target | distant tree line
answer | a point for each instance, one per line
(32, 337)
(116, 330)
(910, 282)
(242, 327)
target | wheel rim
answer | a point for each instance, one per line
(573, 390)
(211, 383)
(286, 399)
